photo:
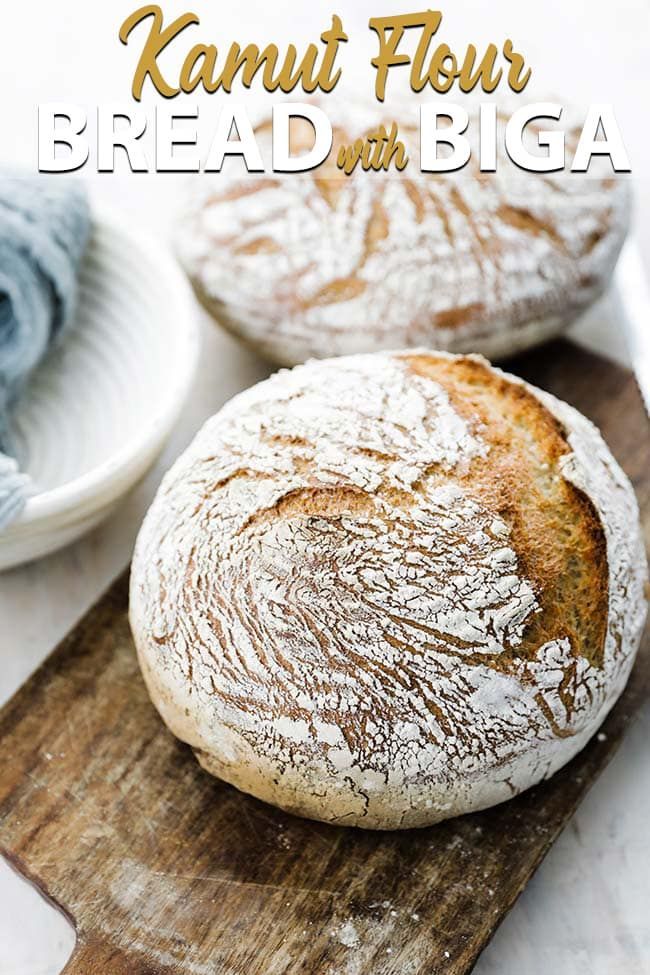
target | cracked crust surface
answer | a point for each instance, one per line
(387, 589)
(321, 264)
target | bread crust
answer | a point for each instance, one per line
(322, 264)
(388, 589)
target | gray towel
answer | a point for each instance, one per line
(44, 227)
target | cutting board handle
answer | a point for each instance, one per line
(96, 957)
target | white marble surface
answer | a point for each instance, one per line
(587, 911)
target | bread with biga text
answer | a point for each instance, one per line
(383, 590)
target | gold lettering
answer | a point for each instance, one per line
(331, 38)
(377, 151)
(420, 75)
(316, 68)
(200, 65)
(394, 149)
(484, 73)
(441, 74)
(250, 60)
(441, 68)
(203, 57)
(348, 156)
(388, 56)
(156, 42)
(517, 64)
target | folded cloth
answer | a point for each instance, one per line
(44, 227)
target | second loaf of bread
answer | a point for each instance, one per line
(321, 264)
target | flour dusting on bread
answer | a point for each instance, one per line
(347, 595)
(326, 264)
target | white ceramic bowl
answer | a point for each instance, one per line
(99, 409)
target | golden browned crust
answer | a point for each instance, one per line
(556, 531)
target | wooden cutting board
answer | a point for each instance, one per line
(166, 870)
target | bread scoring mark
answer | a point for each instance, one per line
(458, 316)
(325, 264)
(523, 219)
(357, 618)
(555, 529)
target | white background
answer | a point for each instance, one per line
(587, 911)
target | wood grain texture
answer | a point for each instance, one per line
(165, 870)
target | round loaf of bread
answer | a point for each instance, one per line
(387, 589)
(322, 264)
